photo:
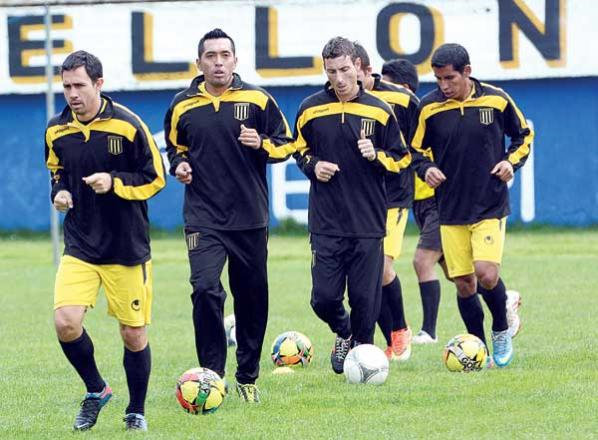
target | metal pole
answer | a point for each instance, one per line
(54, 227)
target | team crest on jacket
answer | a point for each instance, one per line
(241, 111)
(115, 145)
(486, 116)
(367, 125)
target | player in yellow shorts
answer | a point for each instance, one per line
(104, 165)
(399, 194)
(463, 124)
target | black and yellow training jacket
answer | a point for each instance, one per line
(467, 139)
(399, 188)
(109, 228)
(229, 190)
(353, 203)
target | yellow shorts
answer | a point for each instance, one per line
(464, 244)
(128, 288)
(396, 221)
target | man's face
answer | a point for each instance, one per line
(342, 74)
(217, 62)
(452, 83)
(81, 93)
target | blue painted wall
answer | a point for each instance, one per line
(564, 113)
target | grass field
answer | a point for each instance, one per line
(549, 391)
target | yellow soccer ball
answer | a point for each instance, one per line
(465, 353)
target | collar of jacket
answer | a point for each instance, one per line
(106, 111)
(194, 90)
(330, 90)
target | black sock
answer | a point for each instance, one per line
(496, 300)
(80, 354)
(430, 294)
(385, 319)
(137, 368)
(395, 300)
(473, 315)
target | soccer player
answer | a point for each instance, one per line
(399, 194)
(104, 165)
(346, 140)
(220, 134)
(429, 249)
(463, 124)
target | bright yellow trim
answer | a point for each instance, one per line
(353, 108)
(392, 165)
(278, 151)
(392, 97)
(112, 125)
(493, 101)
(253, 96)
(422, 189)
(142, 192)
(178, 111)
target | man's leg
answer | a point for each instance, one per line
(456, 246)
(207, 256)
(129, 297)
(248, 278)
(328, 287)
(364, 286)
(76, 288)
(488, 238)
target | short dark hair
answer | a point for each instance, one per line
(451, 54)
(338, 47)
(213, 35)
(93, 65)
(362, 54)
(401, 71)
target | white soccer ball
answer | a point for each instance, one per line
(229, 328)
(366, 363)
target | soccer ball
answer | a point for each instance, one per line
(200, 391)
(465, 353)
(229, 328)
(290, 349)
(366, 363)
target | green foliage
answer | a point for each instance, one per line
(549, 391)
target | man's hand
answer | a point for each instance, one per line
(503, 170)
(99, 182)
(63, 200)
(434, 177)
(183, 173)
(325, 170)
(366, 147)
(250, 138)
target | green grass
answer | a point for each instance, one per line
(549, 391)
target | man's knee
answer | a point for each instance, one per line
(322, 303)
(135, 338)
(487, 275)
(466, 285)
(389, 273)
(68, 323)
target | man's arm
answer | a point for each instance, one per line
(176, 147)
(149, 178)
(60, 194)
(274, 133)
(521, 135)
(392, 154)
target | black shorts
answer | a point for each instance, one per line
(425, 213)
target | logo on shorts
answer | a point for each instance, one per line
(192, 240)
(241, 111)
(486, 116)
(313, 259)
(488, 239)
(136, 305)
(367, 125)
(115, 145)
